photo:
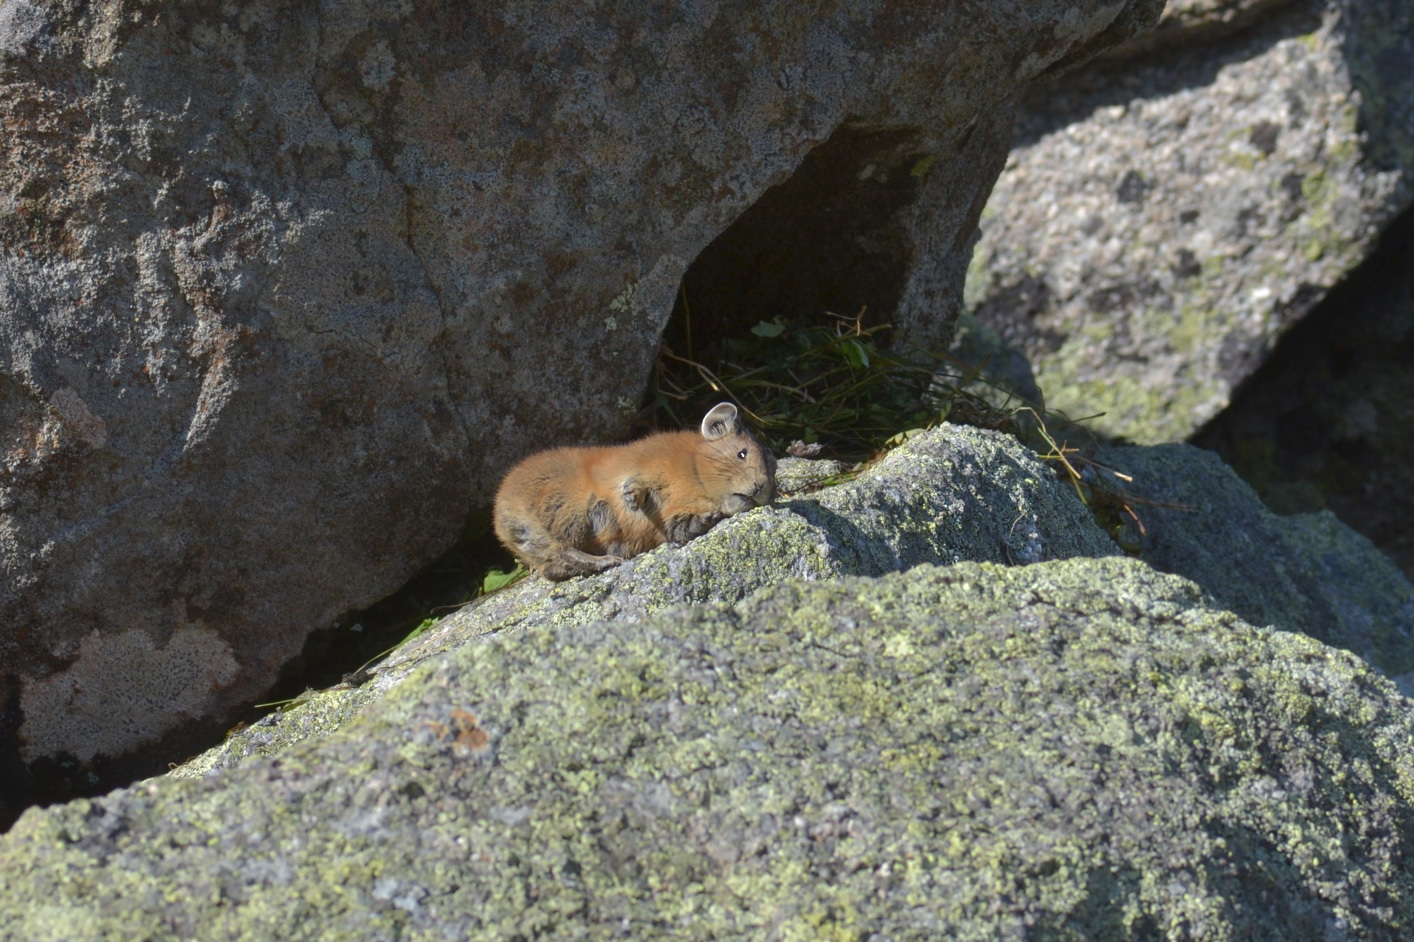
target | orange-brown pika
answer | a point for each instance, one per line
(571, 511)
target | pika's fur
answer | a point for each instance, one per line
(571, 511)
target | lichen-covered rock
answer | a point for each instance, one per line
(285, 285)
(1164, 218)
(802, 475)
(947, 495)
(1079, 749)
(1307, 572)
(1197, 21)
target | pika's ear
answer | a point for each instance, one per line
(720, 422)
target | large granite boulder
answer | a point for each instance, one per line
(1075, 749)
(1166, 215)
(286, 285)
(949, 495)
(1303, 572)
(946, 496)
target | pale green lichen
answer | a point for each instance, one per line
(952, 494)
(1125, 404)
(1307, 573)
(1083, 739)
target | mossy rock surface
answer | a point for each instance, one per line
(1305, 572)
(947, 495)
(1079, 749)
(1166, 216)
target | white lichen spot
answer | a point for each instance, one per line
(1072, 30)
(626, 405)
(624, 302)
(77, 419)
(611, 323)
(123, 690)
(1031, 66)
(898, 646)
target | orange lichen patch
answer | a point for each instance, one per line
(463, 732)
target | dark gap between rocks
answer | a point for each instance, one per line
(360, 639)
(329, 655)
(1326, 421)
(827, 239)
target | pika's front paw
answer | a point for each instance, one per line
(686, 527)
(637, 494)
(573, 562)
(734, 504)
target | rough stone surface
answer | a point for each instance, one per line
(947, 495)
(1079, 749)
(1164, 218)
(802, 475)
(1187, 21)
(1327, 423)
(1307, 572)
(285, 285)
(1312, 575)
(1005, 377)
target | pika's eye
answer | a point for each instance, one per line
(742, 454)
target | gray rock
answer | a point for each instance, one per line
(1188, 21)
(946, 495)
(1307, 572)
(802, 475)
(952, 494)
(24, 29)
(1077, 749)
(284, 288)
(1005, 378)
(1164, 218)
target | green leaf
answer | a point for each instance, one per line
(422, 626)
(769, 329)
(854, 353)
(921, 168)
(894, 441)
(496, 579)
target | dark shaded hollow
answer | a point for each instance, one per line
(829, 238)
(1325, 422)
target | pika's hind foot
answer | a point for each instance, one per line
(572, 562)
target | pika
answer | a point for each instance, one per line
(572, 511)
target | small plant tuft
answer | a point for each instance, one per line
(834, 384)
(837, 389)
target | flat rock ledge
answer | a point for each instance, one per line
(947, 495)
(1076, 749)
